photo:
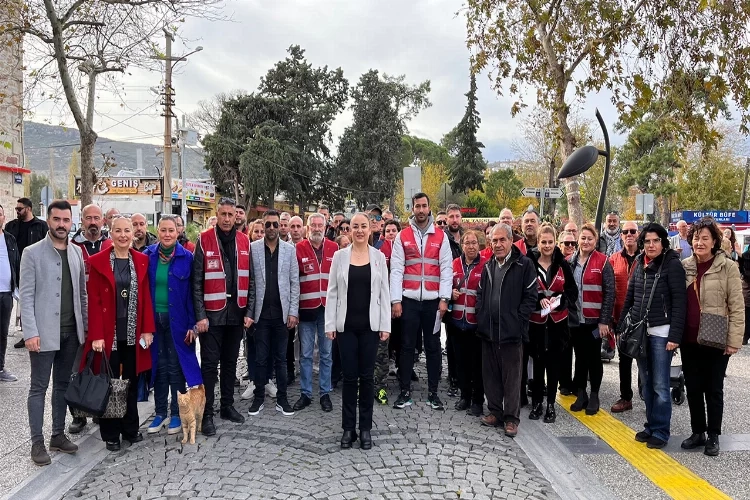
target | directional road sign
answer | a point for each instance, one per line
(532, 192)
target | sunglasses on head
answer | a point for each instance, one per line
(629, 231)
(570, 243)
(274, 224)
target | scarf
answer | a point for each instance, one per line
(612, 240)
(165, 254)
(132, 299)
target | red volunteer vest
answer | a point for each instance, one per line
(420, 268)
(214, 280)
(106, 245)
(521, 244)
(592, 285)
(466, 303)
(313, 278)
(387, 249)
(557, 287)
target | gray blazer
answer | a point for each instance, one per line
(288, 278)
(39, 291)
(338, 286)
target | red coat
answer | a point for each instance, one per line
(102, 309)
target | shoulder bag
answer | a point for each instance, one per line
(632, 341)
(713, 328)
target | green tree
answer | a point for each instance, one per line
(417, 149)
(550, 45)
(477, 199)
(370, 149)
(503, 188)
(711, 181)
(467, 169)
(36, 183)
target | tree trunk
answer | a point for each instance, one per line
(664, 202)
(88, 175)
(567, 145)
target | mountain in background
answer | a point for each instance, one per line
(48, 143)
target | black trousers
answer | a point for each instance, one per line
(501, 372)
(468, 348)
(588, 351)
(525, 374)
(6, 307)
(336, 372)
(418, 321)
(122, 362)
(747, 326)
(450, 348)
(271, 335)
(566, 368)
(290, 352)
(626, 376)
(220, 344)
(546, 362)
(358, 351)
(394, 341)
(704, 368)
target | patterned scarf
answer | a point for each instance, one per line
(163, 257)
(132, 299)
(612, 241)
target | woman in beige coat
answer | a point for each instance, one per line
(713, 286)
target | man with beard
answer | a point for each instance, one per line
(91, 240)
(223, 300)
(530, 226)
(610, 242)
(182, 239)
(54, 308)
(421, 286)
(453, 231)
(284, 226)
(276, 288)
(240, 223)
(296, 230)
(26, 228)
(375, 213)
(141, 237)
(314, 257)
(338, 217)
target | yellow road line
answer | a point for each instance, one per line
(675, 479)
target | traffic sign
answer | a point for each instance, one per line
(553, 193)
(530, 192)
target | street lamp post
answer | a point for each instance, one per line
(583, 159)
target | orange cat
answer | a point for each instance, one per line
(191, 405)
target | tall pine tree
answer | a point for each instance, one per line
(466, 172)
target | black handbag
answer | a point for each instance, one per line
(632, 342)
(89, 392)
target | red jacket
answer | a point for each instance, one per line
(387, 249)
(102, 309)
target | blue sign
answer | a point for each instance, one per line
(720, 216)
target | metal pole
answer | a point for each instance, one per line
(744, 185)
(541, 203)
(605, 179)
(183, 175)
(167, 174)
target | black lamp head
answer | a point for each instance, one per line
(579, 162)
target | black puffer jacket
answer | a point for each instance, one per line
(669, 304)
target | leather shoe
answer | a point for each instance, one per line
(325, 403)
(347, 439)
(113, 445)
(621, 406)
(475, 410)
(302, 403)
(77, 425)
(491, 421)
(365, 440)
(461, 405)
(229, 413)
(511, 429)
(694, 441)
(135, 439)
(208, 428)
(712, 445)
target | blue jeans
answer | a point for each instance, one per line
(654, 372)
(169, 377)
(308, 330)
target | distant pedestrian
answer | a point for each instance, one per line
(54, 309)
(10, 261)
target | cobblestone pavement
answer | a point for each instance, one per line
(417, 453)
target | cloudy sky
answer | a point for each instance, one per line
(423, 39)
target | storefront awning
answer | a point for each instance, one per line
(205, 208)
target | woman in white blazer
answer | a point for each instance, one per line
(358, 314)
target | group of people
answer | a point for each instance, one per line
(369, 292)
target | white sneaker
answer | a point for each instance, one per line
(392, 369)
(248, 391)
(271, 389)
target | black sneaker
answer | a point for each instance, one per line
(404, 400)
(712, 448)
(475, 410)
(39, 454)
(642, 437)
(302, 403)
(325, 403)
(655, 443)
(434, 401)
(284, 407)
(453, 390)
(256, 407)
(77, 425)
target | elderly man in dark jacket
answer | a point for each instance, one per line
(506, 297)
(658, 268)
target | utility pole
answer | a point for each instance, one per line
(168, 103)
(743, 196)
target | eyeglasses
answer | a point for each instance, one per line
(344, 229)
(441, 223)
(651, 242)
(273, 224)
(629, 231)
(573, 244)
